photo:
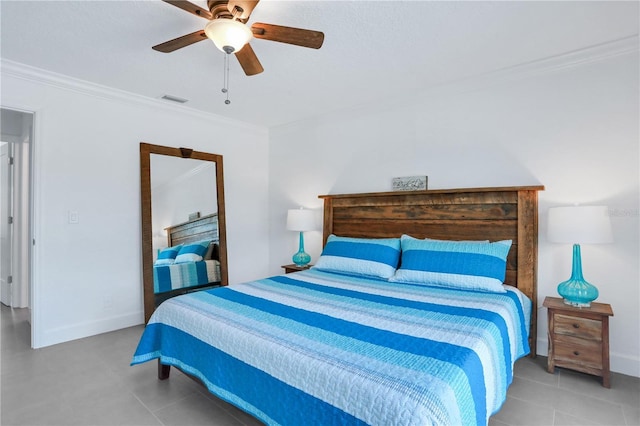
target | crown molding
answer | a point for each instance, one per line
(544, 66)
(571, 59)
(539, 67)
(65, 82)
(189, 174)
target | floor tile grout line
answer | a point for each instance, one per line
(577, 393)
(146, 407)
(595, 397)
(174, 402)
(555, 385)
(208, 394)
(627, 420)
(214, 401)
(528, 401)
(556, 410)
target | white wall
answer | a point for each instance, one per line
(570, 123)
(87, 276)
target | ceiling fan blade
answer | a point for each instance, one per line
(289, 35)
(180, 42)
(246, 6)
(191, 8)
(248, 60)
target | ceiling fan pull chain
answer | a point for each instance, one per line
(225, 88)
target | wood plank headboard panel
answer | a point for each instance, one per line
(501, 213)
(202, 228)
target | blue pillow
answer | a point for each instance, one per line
(469, 265)
(371, 257)
(193, 252)
(167, 256)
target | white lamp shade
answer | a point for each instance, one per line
(579, 225)
(301, 220)
(227, 34)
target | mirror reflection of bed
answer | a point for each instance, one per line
(188, 271)
(183, 190)
(183, 226)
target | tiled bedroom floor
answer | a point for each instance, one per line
(89, 382)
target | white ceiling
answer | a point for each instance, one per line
(373, 50)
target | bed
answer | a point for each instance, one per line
(332, 345)
(190, 262)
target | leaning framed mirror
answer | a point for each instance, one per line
(184, 244)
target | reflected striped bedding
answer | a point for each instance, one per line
(184, 275)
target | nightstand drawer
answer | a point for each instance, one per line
(583, 328)
(578, 352)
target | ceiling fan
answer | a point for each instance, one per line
(227, 29)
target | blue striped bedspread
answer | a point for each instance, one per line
(183, 275)
(320, 348)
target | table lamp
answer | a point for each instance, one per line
(301, 220)
(579, 225)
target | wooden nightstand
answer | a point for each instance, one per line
(295, 268)
(579, 338)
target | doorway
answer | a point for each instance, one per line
(16, 140)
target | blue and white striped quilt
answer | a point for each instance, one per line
(321, 348)
(184, 275)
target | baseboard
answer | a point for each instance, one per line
(78, 331)
(620, 363)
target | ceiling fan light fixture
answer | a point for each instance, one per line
(228, 35)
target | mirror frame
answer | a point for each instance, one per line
(146, 150)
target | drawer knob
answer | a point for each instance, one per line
(576, 325)
(576, 353)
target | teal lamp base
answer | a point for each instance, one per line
(301, 258)
(576, 291)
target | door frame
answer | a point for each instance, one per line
(33, 222)
(6, 292)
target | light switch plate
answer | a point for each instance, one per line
(74, 217)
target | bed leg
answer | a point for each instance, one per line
(163, 371)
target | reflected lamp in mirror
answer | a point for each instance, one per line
(579, 225)
(301, 220)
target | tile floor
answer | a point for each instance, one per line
(89, 382)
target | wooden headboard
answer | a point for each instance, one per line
(202, 228)
(504, 213)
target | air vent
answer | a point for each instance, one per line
(174, 99)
